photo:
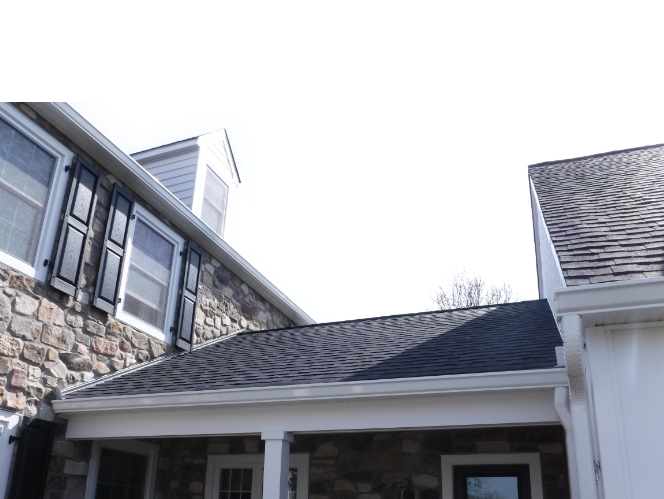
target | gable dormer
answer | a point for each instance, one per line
(200, 171)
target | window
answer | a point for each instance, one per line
(124, 469)
(215, 198)
(492, 476)
(32, 187)
(241, 477)
(148, 288)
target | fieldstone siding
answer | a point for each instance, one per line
(50, 339)
(367, 465)
(226, 304)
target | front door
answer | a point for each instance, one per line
(492, 482)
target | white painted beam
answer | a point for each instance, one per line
(275, 472)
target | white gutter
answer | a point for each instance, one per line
(561, 396)
(128, 171)
(430, 385)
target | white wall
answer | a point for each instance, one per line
(627, 367)
(177, 173)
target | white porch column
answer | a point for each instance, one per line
(277, 456)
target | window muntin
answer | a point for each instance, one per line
(148, 288)
(32, 188)
(236, 483)
(215, 199)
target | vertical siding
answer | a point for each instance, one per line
(177, 173)
(550, 275)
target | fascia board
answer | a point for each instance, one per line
(405, 387)
(606, 299)
(166, 151)
(127, 170)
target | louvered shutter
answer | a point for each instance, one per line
(79, 215)
(115, 246)
(31, 462)
(188, 301)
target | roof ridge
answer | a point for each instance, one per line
(409, 314)
(598, 155)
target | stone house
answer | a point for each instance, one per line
(142, 357)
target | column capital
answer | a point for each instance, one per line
(277, 435)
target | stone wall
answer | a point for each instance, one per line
(342, 466)
(49, 339)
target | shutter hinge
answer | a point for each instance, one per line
(46, 262)
(133, 217)
(119, 301)
(598, 470)
(172, 328)
(181, 252)
(12, 439)
(67, 168)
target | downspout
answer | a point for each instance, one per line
(560, 398)
(574, 345)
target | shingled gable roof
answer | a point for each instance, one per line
(510, 337)
(605, 214)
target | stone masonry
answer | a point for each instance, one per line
(342, 466)
(50, 339)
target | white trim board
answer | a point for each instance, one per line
(463, 383)
(532, 459)
(515, 407)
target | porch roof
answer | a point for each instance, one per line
(509, 337)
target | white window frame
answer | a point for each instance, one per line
(213, 171)
(56, 193)
(171, 304)
(217, 462)
(532, 459)
(133, 446)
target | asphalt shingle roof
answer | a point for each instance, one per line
(508, 337)
(605, 214)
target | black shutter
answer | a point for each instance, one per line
(188, 302)
(76, 228)
(31, 461)
(115, 245)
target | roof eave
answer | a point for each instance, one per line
(536, 379)
(128, 171)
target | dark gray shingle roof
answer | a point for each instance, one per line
(605, 214)
(509, 337)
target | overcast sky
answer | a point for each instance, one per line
(382, 146)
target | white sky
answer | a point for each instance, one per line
(382, 146)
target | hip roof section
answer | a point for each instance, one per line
(605, 214)
(509, 337)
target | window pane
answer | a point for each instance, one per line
(292, 483)
(25, 176)
(215, 196)
(235, 483)
(493, 487)
(121, 475)
(149, 275)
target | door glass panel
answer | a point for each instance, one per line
(493, 487)
(121, 475)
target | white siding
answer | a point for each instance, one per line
(177, 173)
(549, 273)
